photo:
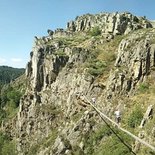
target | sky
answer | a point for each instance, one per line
(21, 20)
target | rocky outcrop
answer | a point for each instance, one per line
(46, 63)
(153, 23)
(147, 115)
(55, 78)
(53, 114)
(62, 33)
(135, 59)
(115, 23)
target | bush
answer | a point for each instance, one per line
(143, 87)
(10, 95)
(14, 97)
(114, 146)
(135, 117)
(92, 139)
(95, 31)
(7, 147)
(10, 99)
(60, 53)
(96, 67)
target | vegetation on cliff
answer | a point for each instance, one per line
(8, 74)
(10, 96)
(116, 66)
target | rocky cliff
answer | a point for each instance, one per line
(68, 66)
(152, 23)
(115, 23)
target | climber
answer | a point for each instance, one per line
(93, 100)
(117, 116)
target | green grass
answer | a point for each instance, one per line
(135, 117)
(143, 87)
(44, 143)
(49, 141)
(61, 53)
(105, 142)
(93, 139)
(7, 146)
(95, 31)
(96, 67)
(77, 116)
(112, 145)
(9, 101)
(71, 41)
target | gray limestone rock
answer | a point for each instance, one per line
(114, 23)
(147, 115)
(134, 61)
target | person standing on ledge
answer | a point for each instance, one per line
(117, 116)
(93, 100)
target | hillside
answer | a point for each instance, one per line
(8, 74)
(107, 56)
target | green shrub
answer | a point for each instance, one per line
(14, 97)
(51, 138)
(135, 117)
(10, 99)
(92, 139)
(10, 95)
(44, 143)
(114, 146)
(95, 31)
(77, 150)
(105, 142)
(33, 149)
(60, 53)
(143, 87)
(7, 147)
(96, 67)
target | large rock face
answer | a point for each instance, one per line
(115, 23)
(135, 59)
(46, 63)
(55, 81)
(54, 115)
